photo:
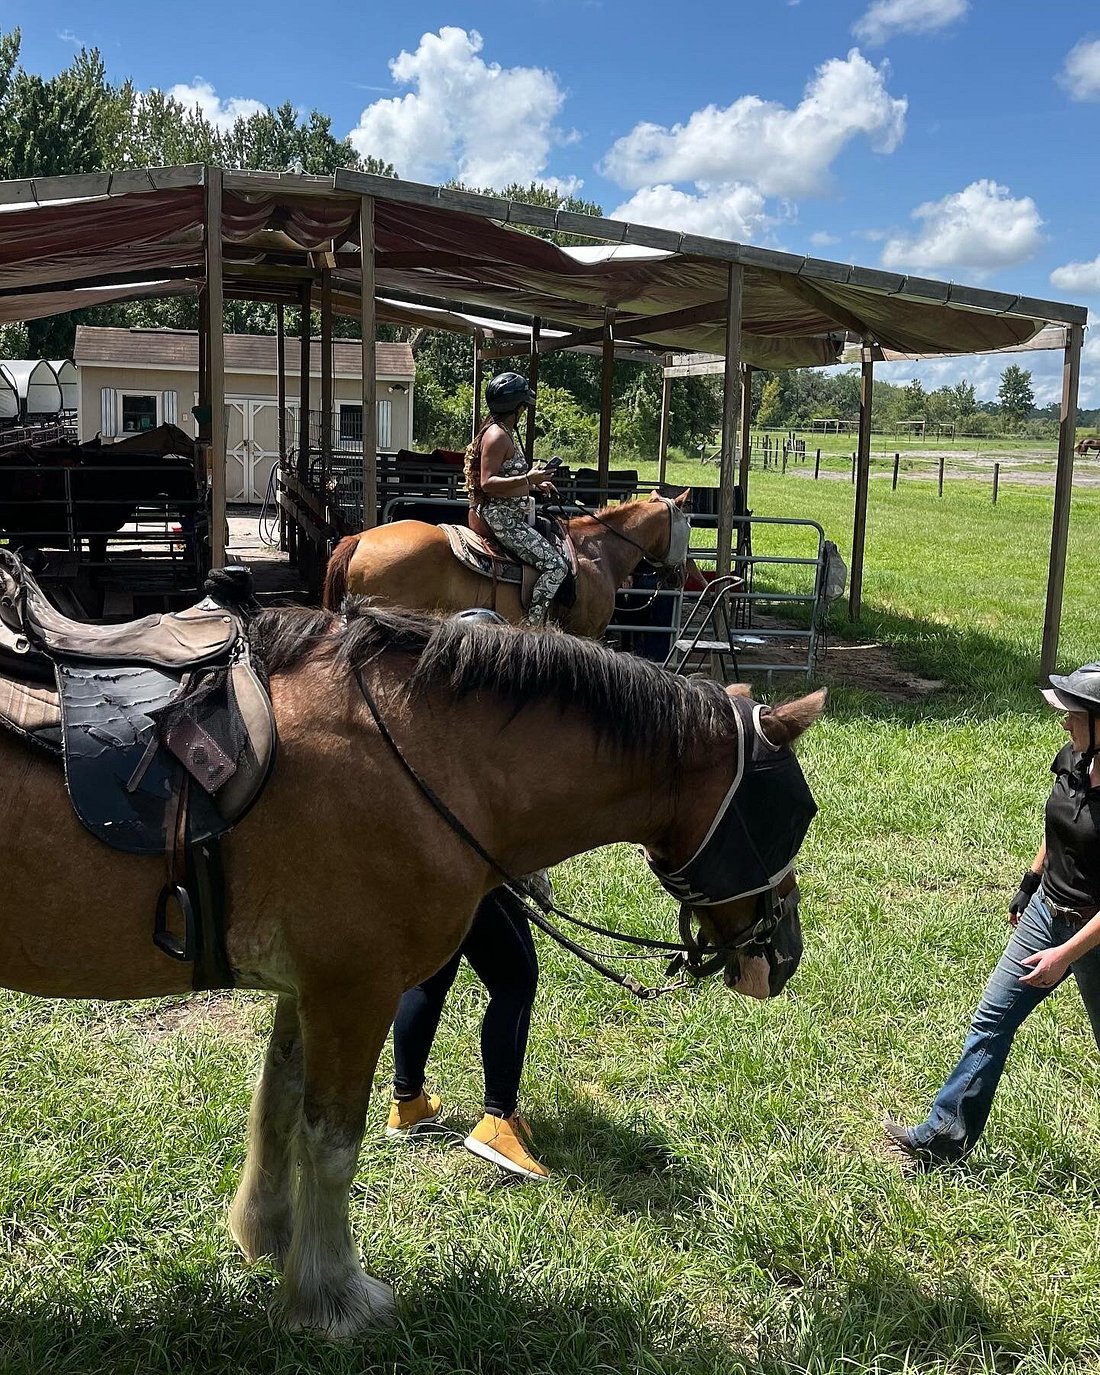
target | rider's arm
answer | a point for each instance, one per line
(495, 448)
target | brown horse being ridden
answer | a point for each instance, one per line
(409, 563)
(344, 887)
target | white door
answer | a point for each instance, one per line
(252, 445)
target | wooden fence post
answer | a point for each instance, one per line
(817, 465)
(941, 475)
(853, 467)
(897, 461)
(996, 481)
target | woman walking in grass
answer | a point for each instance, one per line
(1056, 920)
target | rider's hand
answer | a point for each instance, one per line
(546, 488)
(537, 476)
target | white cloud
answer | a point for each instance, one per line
(1080, 277)
(781, 152)
(722, 212)
(1080, 74)
(820, 239)
(67, 36)
(981, 228)
(223, 114)
(887, 17)
(483, 123)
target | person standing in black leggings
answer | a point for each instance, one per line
(501, 953)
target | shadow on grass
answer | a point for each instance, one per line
(627, 1163)
(472, 1319)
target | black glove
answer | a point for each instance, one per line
(1028, 886)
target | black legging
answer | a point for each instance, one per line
(502, 954)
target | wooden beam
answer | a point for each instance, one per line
(607, 379)
(215, 352)
(662, 437)
(475, 419)
(306, 305)
(326, 370)
(746, 432)
(731, 405)
(533, 381)
(280, 385)
(1063, 493)
(863, 482)
(368, 324)
(202, 427)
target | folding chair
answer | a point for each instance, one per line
(706, 638)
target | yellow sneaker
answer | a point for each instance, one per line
(411, 1115)
(505, 1141)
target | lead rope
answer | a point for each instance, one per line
(536, 907)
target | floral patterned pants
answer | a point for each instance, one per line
(508, 522)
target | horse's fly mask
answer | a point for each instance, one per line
(758, 829)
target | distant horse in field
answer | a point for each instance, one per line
(410, 563)
(1086, 445)
(345, 887)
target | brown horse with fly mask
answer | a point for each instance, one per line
(346, 884)
(409, 563)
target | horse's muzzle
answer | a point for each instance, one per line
(763, 971)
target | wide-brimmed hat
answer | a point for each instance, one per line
(1076, 691)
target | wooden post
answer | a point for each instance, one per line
(855, 459)
(941, 476)
(607, 379)
(202, 427)
(731, 402)
(280, 388)
(817, 465)
(666, 417)
(476, 417)
(863, 454)
(746, 433)
(533, 382)
(368, 329)
(215, 352)
(304, 354)
(1063, 490)
(326, 372)
(897, 464)
(996, 481)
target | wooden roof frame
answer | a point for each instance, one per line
(886, 313)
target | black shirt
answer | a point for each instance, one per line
(1072, 873)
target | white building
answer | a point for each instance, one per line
(135, 379)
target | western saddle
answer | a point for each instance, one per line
(165, 731)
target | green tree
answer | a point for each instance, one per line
(770, 411)
(1015, 393)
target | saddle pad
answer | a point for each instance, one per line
(31, 710)
(122, 778)
(473, 553)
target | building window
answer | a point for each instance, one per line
(351, 424)
(139, 412)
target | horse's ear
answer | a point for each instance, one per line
(739, 690)
(783, 725)
(683, 499)
(654, 495)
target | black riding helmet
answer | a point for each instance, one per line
(1078, 691)
(507, 392)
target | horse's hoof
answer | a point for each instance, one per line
(342, 1313)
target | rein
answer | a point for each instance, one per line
(666, 567)
(699, 959)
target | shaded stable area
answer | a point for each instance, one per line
(379, 249)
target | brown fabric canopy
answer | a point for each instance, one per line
(59, 253)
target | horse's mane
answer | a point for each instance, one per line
(631, 702)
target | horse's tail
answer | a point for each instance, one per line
(336, 574)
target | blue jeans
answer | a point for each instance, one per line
(962, 1106)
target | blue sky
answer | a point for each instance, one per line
(952, 138)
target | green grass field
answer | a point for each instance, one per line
(718, 1203)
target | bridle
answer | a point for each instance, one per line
(696, 957)
(676, 550)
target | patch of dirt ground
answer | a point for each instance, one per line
(867, 666)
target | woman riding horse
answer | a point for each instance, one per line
(501, 482)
